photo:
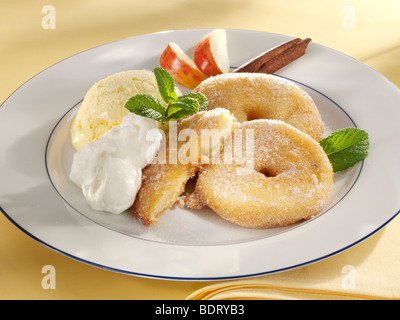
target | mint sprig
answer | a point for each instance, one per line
(346, 147)
(177, 106)
(166, 85)
(147, 106)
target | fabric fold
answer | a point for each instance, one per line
(369, 270)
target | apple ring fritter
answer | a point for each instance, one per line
(290, 181)
(251, 96)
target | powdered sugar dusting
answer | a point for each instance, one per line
(291, 179)
(252, 96)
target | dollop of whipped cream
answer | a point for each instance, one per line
(109, 170)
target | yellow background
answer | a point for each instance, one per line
(26, 49)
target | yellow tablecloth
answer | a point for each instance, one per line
(368, 30)
(368, 271)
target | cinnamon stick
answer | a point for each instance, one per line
(276, 58)
(285, 57)
(254, 64)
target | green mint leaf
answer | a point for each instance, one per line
(187, 105)
(146, 106)
(192, 102)
(179, 109)
(201, 100)
(346, 147)
(186, 102)
(179, 114)
(178, 106)
(166, 85)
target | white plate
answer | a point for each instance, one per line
(36, 195)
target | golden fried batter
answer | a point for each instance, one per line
(164, 182)
(291, 179)
(251, 96)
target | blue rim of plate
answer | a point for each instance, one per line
(184, 278)
(160, 277)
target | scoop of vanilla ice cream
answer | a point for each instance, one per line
(109, 169)
(103, 105)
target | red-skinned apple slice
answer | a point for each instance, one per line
(211, 53)
(181, 67)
